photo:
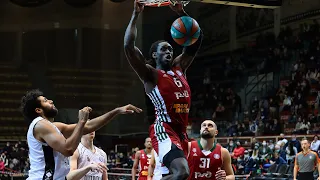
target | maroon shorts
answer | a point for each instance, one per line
(142, 178)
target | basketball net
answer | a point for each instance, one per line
(161, 3)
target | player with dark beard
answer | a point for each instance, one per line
(50, 143)
(207, 160)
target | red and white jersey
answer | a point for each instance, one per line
(172, 98)
(144, 162)
(204, 164)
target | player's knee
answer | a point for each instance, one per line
(182, 175)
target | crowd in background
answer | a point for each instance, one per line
(258, 156)
(292, 106)
(14, 158)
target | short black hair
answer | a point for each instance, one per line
(29, 103)
(153, 48)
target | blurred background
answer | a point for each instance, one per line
(256, 75)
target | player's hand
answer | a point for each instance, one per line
(138, 6)
(177, 7)
(100, 167)
(221, 174)
(149, 178)
(129, 109)
(84, 113)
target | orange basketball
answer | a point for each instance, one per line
(185, 31)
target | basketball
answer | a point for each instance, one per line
(185, 31)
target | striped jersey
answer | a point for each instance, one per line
(171, 98)
(45, 163)
(87, 157)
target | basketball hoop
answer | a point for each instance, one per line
(161, 3)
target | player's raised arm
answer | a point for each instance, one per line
(133, 54)
(185, 59)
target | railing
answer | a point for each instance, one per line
(225, 140)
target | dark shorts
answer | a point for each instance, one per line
(305, 176)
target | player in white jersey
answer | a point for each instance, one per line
(156, 169)
(88, 162)
(50, 143)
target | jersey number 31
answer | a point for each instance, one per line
(205, 162)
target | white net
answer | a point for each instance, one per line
(159, 3)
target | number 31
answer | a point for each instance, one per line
(205, 162)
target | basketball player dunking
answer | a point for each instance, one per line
(142, 158)
(88, 162)
(167, 87)
(50, 143)
(208, 160)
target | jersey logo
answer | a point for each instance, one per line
(48, 175)
(216, 156)
(207, 174)
(181, 95)
(181, 108)
(101, 159)
(194, 150)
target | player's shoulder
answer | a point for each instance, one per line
(224, 152)
(43, 125)
(314, 153)
(178, 70)
(139, 152)
(193, 142)
(299, 153)
(100, 150)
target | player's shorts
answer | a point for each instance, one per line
(142, 178)
(305, 175)
(165, 139)
(157, 177)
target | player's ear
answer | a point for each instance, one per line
(216, 133)
(38, 110)
(154, 55)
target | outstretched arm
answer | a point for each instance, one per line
(185, 59)
(98, 122)
(133, 54)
